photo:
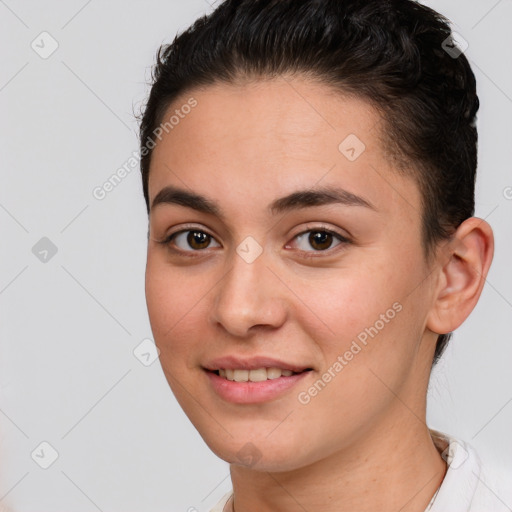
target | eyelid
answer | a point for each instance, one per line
(169, 237)
(324, 227)
(188, 227)
(343, 241)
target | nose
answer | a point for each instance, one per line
(249, 297)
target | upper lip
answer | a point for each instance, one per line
(252, 363)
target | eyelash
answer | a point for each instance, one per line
(306, 254)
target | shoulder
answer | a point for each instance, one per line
(473, 482)
(220, 505)
(494, 488)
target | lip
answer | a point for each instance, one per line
(252, 363)
(253, 392)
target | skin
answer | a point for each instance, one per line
(362, 442)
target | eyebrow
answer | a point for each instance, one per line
(296, 200)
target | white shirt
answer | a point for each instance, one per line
(468, 486)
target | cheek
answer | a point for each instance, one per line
(175, 301)
(367, 356)
(366, 320)
(348, 304)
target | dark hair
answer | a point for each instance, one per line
(393, 53)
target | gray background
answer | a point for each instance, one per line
(69, 325)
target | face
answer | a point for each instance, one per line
(281, 237)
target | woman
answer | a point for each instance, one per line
(308, 169)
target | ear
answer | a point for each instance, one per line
(464, 263)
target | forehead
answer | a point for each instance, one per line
(260, 140)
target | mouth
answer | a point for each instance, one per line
(255, 385)
(256, 379)
(255, 375)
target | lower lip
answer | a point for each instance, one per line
(253, 392)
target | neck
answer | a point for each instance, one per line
(394, 467)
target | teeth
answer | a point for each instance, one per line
(257, 375)
(241, 375)
(273, 373)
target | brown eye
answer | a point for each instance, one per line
(320, 240)
(190, 240)
(198, 239)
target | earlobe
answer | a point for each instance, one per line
(464, 262)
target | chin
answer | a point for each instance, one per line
(261, 454)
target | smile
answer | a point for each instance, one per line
(256, 375)
(258, 385)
